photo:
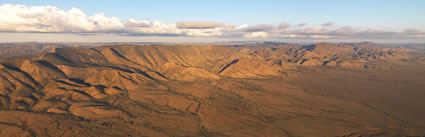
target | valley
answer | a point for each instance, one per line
(262, 89)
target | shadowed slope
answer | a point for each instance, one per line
(275, 90)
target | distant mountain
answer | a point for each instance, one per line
(35, 48)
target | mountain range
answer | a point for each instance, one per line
(258, 89)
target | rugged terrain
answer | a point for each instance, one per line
(269, 89)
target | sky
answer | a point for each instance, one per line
(211, 20)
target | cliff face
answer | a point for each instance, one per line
(159, 90)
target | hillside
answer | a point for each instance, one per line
(323, 89)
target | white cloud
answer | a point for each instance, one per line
(133, 23)
(260, 34)
(314, 30)
(320, 36)
(21, 18)
(157, 28)
(290, 36)
(198, 25)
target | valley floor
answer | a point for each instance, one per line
(316, 101)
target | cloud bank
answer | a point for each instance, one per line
(50, 19)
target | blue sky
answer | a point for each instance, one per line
(392, 15)
(395, 14)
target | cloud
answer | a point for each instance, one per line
(289, 36)
(157, 28)
(314, 30)
(258, 28)
(342, 31)
(411, 31)
(132, 23)
(328, 24)
(414, 33)
(21, 18)
(334, 32)
(256, 35)
(284, 25)
(198, 25)
(301, 24)
(320, 36)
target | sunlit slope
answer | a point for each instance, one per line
(282, 90)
